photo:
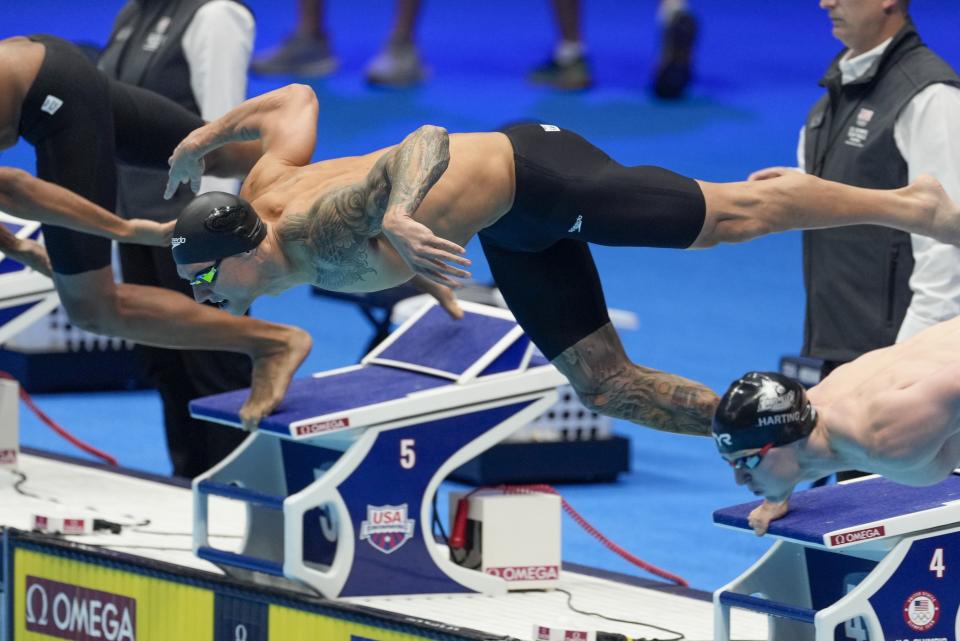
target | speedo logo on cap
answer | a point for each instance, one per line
(176, 241)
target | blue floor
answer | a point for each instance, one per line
(708, 315)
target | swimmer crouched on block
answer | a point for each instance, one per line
(894, 411)
(535, 194)
(81, 124)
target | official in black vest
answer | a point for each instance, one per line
(195, 52)
(884, 120)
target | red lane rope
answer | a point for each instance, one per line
(89, 449)
(582, 522)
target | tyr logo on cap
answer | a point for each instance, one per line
(723, 440)
(176, 241)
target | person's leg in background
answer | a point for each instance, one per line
(307, 51)
(679, 32)
(567, 68)
(399, 64)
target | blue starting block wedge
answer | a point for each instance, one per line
(25, 295)
(339, 481)
(868, 560)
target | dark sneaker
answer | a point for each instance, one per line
(297, 55)
(570, 76)
(396, 66)
(673, 71)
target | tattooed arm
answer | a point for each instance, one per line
(283, 120)
(411, 169)
(659, 400)
(336, 242)
(338, 235)
(608, 383)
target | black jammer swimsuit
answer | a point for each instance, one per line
(80, 124)
(570, 193)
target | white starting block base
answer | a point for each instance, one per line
(121, 497)
(340, 480)
(868, 560)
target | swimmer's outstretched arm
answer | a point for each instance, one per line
(283, 120)
(25, 196)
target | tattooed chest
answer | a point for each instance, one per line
(343, 267)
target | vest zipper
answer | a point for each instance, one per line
(891, 281)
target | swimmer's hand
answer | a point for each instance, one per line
(149, 232)
(186, 166)
(444, 295)
(424, 252)
(32, 254)
(770, 172)
(768, 511)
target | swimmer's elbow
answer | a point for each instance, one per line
(299, 98)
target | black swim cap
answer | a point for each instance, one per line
(762, 408)
(215, 225)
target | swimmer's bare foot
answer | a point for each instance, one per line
(943, 213)
(273, 367)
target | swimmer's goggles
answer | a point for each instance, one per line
(208, 276)
(750, 461)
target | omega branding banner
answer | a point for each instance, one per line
(80, 614)
(60, 598)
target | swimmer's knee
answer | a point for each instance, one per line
(597, 393)
(594, 365)
(738, 212)
(590, 399)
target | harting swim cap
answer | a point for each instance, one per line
(762, 408)
(215, 225)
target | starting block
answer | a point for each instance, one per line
(868, 560)
(340, 480)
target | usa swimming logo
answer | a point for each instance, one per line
(387, 527)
